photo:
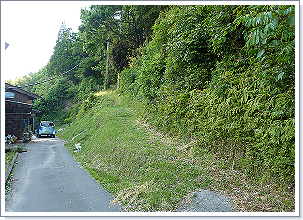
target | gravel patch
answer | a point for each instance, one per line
(206, 201)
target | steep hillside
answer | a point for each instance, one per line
(149, 171)
(225, 76)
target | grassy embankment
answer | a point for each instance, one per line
(148, 171)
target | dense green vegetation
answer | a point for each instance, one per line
(147, 170)
(224, 76)
(221, 77)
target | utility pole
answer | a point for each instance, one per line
(107, 66)
(118, 17)
(118, 79)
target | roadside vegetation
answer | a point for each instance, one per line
(8, 158)
(148, 170)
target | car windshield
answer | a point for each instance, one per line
(47, 124)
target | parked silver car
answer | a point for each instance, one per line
(46, 128)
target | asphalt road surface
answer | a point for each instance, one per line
(47, 178)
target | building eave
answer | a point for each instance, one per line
(9, 87)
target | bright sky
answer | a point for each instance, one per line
(31, 29)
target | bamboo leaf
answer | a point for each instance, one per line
(291, 20)
(273, 43)
(257, 37)
(260, 53)
(280, 76)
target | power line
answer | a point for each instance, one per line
(55, 76)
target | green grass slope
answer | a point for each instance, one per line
(149, 171)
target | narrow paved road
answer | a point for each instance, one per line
(48, 179)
